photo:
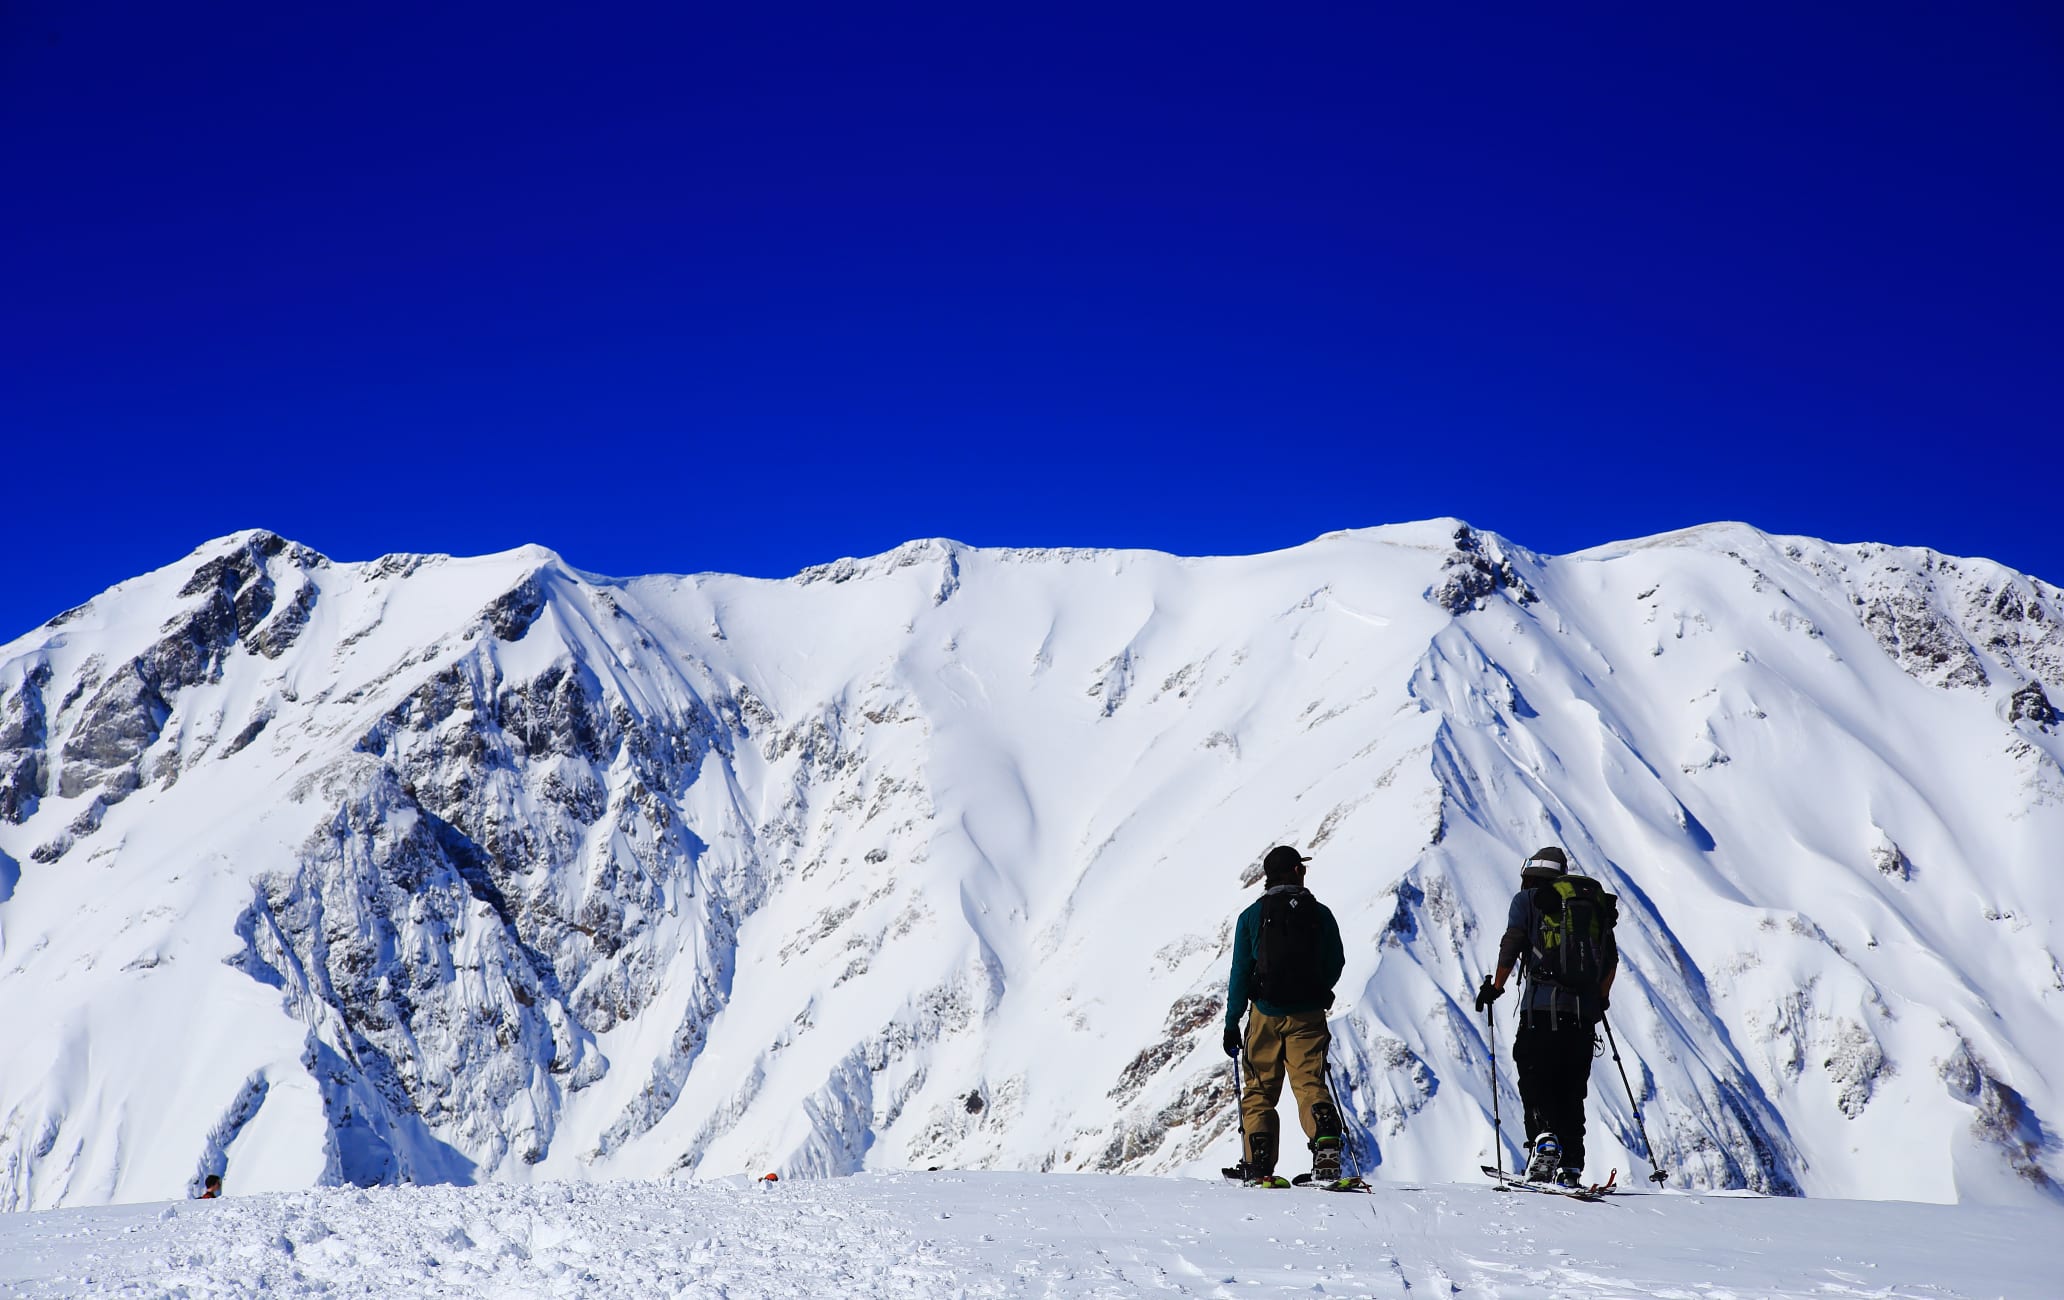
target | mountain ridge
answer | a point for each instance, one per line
(518, 871)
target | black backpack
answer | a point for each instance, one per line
(1572, 918)
(1286, 958)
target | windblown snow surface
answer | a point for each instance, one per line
(1055, 1237)
(490, 871)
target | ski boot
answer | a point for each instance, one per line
(1569, 1177)
(1541, 1165)
(1259, 1168)
(1253, 1176)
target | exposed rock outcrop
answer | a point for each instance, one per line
(1478, 570)
(232, 594)
(23, 735)
(2033, 703)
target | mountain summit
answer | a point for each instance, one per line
(432, 869)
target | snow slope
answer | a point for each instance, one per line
(999, 1234)
(432, 869)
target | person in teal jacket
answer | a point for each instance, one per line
(1286, 959)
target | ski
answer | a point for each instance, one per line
(1235, 1174)
(1510, 1184)
(1349, 1184)
(1514, 1183)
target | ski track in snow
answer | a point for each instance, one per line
(1003, 1234)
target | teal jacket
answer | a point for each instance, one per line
(1247, 938)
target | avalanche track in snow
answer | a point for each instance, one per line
(441, 870)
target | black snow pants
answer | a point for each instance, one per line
(1552, 1053)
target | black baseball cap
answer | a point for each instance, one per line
(1282, 862)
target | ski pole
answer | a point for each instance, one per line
(1491, 1022)
(1657, 1175)
(1239, 1111)
(1354, 1164)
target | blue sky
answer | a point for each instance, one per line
(750, 287)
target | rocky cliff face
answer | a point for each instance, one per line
(432, 869)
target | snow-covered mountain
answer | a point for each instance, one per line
(434, 869)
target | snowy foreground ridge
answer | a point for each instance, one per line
(995, 1234)
(435, 870)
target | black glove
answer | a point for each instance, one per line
(1232, 1041)
(1488, 994)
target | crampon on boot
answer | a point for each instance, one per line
(1325, 1159)
(1325, 1143)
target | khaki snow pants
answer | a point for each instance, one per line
(1295, 1044)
